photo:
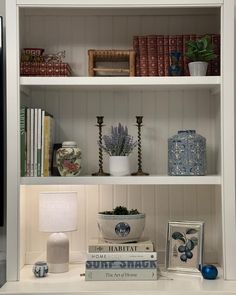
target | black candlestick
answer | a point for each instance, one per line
(100, 171)
(139, 120)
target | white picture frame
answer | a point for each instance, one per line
(184, 251)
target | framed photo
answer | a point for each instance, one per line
(184, 246)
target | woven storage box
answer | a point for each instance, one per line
(113, 57)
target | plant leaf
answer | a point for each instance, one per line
(191, 231)
(178, 236)
(190, 245)
(194, 240)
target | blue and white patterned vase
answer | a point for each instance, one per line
(187, 154)
(40, 269)
(175, 68)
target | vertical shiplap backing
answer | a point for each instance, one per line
(160, 203)
(164, 113)
(76, 32)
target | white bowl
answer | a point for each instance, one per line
(121, 228)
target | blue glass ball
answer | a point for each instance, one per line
(209, 272)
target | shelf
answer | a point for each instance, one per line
(125, 180)
(130, 3)
(124, 83)
(72, 283)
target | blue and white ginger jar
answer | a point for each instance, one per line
(40, 269)
(187, 154)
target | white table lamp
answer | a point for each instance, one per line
(58, 214)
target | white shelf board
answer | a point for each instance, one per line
(127, 83)
(124, 180)
(73, 283)
(123, 3)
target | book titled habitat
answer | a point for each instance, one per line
(102, 246)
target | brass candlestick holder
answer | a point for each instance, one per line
(139, 120)
(100, 171)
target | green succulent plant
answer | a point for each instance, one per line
(120, 210)
(200, 49)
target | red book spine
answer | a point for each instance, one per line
(179, 41)
(215, 63)
(166, 55)
(143, 51)
(137, 55)
(172, 43)
(160, 55)
(185, 59)
(152, 55)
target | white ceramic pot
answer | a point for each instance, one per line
(119, 165)
(121, 228)
(198, 68)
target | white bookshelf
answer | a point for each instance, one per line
(167, 104)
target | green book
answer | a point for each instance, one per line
(23, 111)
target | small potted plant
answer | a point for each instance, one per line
(199, 52)
(121, 225)
(118, 145)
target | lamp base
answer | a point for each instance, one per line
(58, 253)
(58, 267)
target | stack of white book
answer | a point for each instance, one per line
(121, 262)
(36, 137)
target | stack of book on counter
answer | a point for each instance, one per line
(121, 262)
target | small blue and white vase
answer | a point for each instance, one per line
(175, 68)
(40, 269)
(187, 154)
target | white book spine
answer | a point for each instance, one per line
(31, 142)
(42, 148)
(121, 264)
(39, 142)
(35, 140)
(128, 256)
(28, 143)
(120, 274)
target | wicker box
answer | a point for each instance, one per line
(112, 57)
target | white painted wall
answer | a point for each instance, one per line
(2, 7)
(2, 229)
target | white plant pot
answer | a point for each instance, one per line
(121, 228)
(119, 165)
(198, 68)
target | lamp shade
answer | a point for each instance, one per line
(57, 211)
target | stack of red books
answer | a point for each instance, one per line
(153, 54)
